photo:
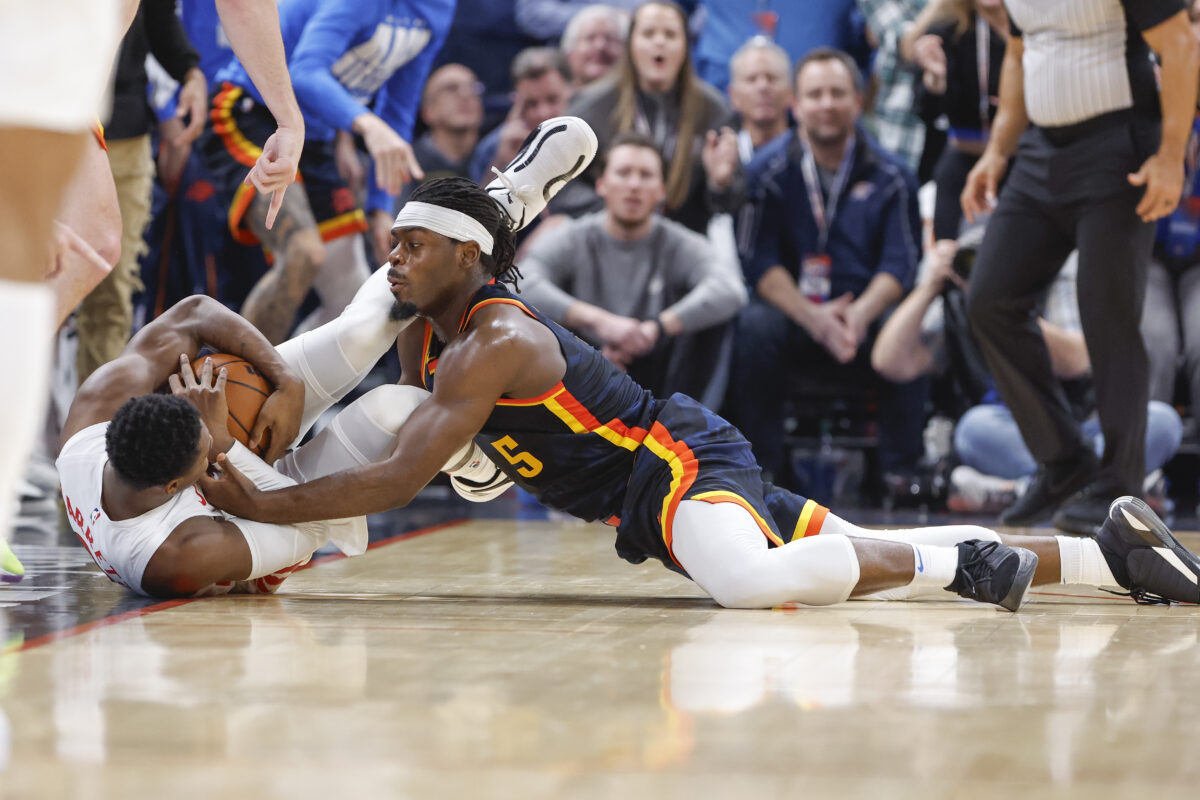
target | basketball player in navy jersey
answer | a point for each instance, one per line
(676, 481)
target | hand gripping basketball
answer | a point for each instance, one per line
(246, 390)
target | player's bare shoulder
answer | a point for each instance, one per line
(503, 336)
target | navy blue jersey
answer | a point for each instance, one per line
(600, 447)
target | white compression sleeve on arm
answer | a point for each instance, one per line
(274, 547)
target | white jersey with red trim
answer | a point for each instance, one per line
(121, 548)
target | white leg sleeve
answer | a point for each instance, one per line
(362, 433)
(939, 536)
(335, 357)
(27, 316)
(725, 553)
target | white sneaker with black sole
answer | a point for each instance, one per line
(552, 155)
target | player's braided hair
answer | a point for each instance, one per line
(466, 196)
(152, 439)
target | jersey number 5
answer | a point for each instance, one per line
(527, 466)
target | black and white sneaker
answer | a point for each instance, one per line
(554, 152)
(1145, 557)
(991, 572)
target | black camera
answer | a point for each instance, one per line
(964, 260)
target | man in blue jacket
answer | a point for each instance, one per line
(358, 66)
(838, 244)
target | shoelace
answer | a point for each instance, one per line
(977, 563)
(509, 185)
(1140, 596)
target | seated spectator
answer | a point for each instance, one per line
(593, 41)
(761, 93)
(656, 92)
(647, 291)
(452, 110)
(541, 90)
(837, 245)
(929, 334)
(892, 117)
(485, 39)
(795, 27)
(944, 42)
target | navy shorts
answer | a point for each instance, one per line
(232, 143)
(690, 453)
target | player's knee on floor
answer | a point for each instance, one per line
(726, 554)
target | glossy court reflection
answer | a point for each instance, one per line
(501, 659)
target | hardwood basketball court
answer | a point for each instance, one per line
(522, 659)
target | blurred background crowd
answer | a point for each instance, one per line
(772, 224)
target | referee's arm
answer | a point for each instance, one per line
(979, 193)
(1162, 174)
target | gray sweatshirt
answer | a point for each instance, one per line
(671, 268)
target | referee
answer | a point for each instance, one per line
(1102, 159)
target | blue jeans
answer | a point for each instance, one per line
(987, 438)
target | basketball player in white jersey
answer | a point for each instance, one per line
(130, 458)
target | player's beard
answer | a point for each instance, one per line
(402, 310)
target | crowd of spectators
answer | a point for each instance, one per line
(752, 230)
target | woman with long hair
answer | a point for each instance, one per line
(655, 91)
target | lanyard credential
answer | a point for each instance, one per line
(823, 212)
(983, 53)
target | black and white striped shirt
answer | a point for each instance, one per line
(1084, 58)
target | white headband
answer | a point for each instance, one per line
(445, 221)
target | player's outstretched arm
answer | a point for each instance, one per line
(471, 377)
(153, 355)
(252, 27)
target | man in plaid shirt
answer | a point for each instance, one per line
(892, 120)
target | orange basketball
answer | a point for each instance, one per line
(245, 391)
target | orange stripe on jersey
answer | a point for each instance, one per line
(470, 312)
(98, 132)
(241, 148)
(343, 225)
(730, 497)
(237, 210)
(532, 401)
(683, 467)
(577, 417)
(427, 364)
(812, 517)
